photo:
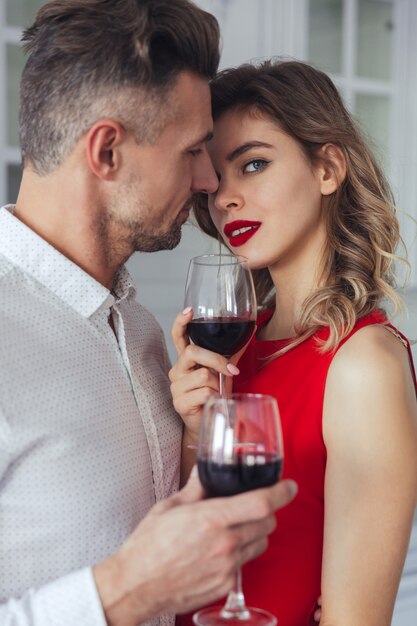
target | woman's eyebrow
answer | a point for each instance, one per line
(245, 147)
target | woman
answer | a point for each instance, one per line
(303, 199)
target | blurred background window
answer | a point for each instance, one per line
(325, 34)
(369, 49)
(14, 65)
(20, 13)
(14, 16)
(375, 20)
(354, 41)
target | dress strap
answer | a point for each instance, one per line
(397, 334)
(406, 344)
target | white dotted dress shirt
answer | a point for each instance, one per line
(88, 436)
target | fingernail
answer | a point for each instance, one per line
(233, 369)
(194, 471)
(187, 310)
(293, 487)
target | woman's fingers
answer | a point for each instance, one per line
(193, 357)
(179, 329)
(189, 407)
(190, 393)
(195, 377)
(317, 612)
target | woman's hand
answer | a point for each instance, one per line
(195, 376)
(317, 612)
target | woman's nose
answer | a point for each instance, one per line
(227, 198)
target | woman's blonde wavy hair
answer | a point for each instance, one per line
(357, 271)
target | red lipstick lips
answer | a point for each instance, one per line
(240, 231)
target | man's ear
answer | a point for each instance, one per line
(103, 142)
(331, 168)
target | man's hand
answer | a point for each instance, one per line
(185, 552)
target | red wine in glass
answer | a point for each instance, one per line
(224, 335)
(229, 479)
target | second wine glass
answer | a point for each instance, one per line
(240, 448)
(221, 293)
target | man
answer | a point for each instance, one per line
(115, 115)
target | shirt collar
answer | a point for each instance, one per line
(123, 287)
(36, 257)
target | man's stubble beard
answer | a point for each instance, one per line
(143, 241)
(142, 235)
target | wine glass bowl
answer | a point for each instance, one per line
(240, 444)
(220, 291)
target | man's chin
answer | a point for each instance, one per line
(173, 242)
(167, 241)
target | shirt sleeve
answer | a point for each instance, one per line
(72, 600)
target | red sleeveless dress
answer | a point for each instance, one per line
(285, 580)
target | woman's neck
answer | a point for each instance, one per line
(292, 290)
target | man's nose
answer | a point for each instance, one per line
(205, 179)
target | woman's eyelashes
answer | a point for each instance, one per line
(255, 165)
(251, 167)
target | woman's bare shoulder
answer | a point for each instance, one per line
(370, 354)
(369, 383)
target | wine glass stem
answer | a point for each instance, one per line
(235, 607)
(222, 385)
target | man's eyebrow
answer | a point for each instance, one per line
(245, 147)
(207, 137)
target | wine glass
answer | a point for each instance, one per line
(220, 291)
(239, 449)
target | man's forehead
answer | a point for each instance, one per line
(192, 126)
(191, 94)
(187, 111)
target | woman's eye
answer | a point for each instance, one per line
(255, 165)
